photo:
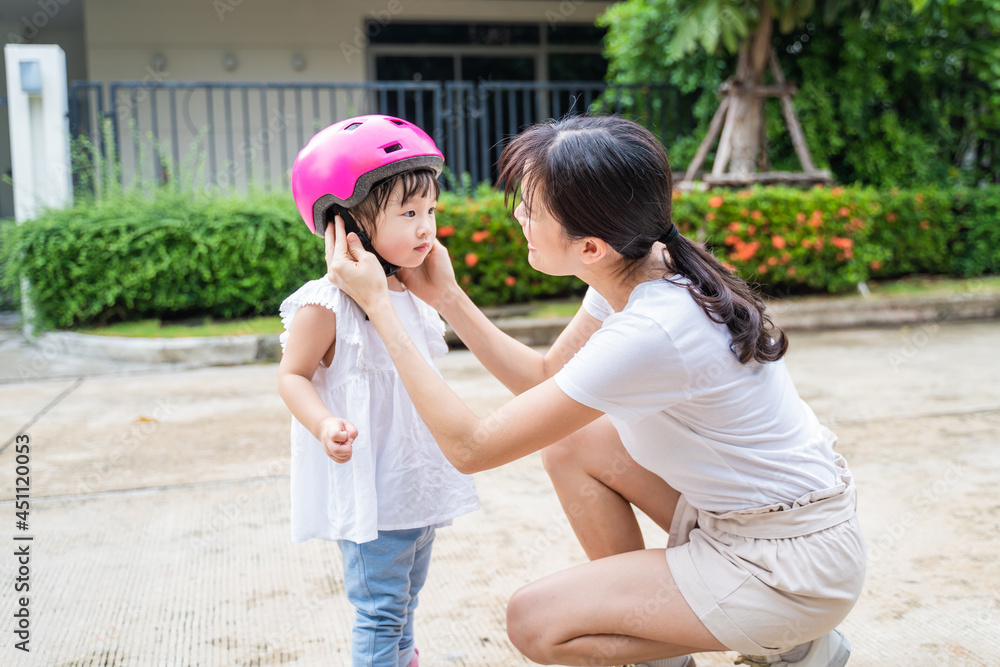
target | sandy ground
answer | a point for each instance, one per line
(159, 512)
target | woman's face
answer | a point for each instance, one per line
(406, 228)
(547, 243)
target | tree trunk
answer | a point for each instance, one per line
(747, 113)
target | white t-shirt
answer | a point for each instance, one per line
(726, 435)
(397, 477)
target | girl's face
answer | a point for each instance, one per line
(406, 229)
(547, 243)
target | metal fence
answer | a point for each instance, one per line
(237, 136)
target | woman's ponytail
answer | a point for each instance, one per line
(609, 177)
(726, 299)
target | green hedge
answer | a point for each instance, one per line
(829, 239)
(167, 255)
(172, 255)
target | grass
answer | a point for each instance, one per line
(910, 286)
(566, 308)
(188, 328)
(935, 285)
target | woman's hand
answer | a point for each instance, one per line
(352, 268)
(432, 280)
(337, 437)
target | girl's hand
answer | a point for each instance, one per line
(337, 435)
(433, 278)
(352, 268)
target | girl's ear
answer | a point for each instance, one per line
(593, 250)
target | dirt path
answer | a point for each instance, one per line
(159, 511)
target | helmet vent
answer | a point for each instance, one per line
(393, 148)
(352, 127)
(397, 122)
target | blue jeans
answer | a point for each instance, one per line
(382, 579)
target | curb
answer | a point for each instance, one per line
(853, 312)
(203, 351)
(809, 314)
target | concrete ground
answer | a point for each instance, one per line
(159, 511)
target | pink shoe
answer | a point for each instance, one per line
(415, 662)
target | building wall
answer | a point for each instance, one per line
(194, 35)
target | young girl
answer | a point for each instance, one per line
(365, 470)
(666, 392)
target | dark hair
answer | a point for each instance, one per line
(366, 212)
(608, 177)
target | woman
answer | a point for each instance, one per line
(666, 392)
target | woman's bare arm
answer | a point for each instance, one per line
(532, 420)
(518, 366)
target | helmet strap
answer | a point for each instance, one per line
(350, 225)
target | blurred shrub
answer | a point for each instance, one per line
(171, 255)
(168, 255)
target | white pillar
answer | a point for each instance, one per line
(38, 110)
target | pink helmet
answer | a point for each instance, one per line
(342, 162)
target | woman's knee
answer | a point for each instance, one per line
(561, 456)
(526, 626)
(573, 452)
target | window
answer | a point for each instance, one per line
(484, 52)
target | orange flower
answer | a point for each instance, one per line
(480, 236)
(752, 229)
(732, 239)
(837, 191)
(800, 218)
(806, 243)
(772, 261)
(876, 265)
(919, 197)
(842, 243)
(745, 251)
(756, 215)
(744, 212)
(716, 201)
(446, 231)
(732, 268)
(891, 217)
(792, 271)
(734, 226)
(509, 281)
(471, 259)
(762, 268)
(924, 224)
(778, 241)
(843, 211)
(710, 216)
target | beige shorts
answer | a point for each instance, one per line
(766, 579)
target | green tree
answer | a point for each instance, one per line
(887, 94)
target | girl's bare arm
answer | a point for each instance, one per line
(312, 334)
